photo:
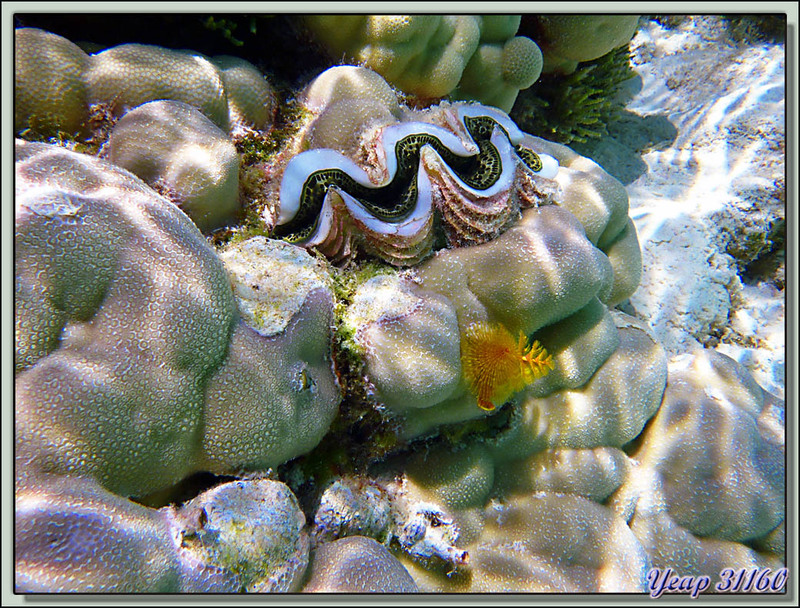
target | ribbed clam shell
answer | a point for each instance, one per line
(461, 163)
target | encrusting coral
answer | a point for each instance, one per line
(52, 103)
(708, 488)
(252, 101)
(194, 100)
(567, 40)
(357, 564)
(239, 536)
(60, 87)
(545, 543)
(116, 347)
(128, 75)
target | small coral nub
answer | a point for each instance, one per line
(495, 366)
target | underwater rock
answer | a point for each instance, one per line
(252, 529)
(390, 510)
(182, 154)
(271, 281)
(357, 564)
(354, 507)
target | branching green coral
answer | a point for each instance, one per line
(576, 107)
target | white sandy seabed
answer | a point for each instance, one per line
(722, 178)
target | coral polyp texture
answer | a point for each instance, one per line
(357, 564)
(397, 362)
(239, 536)
(128, 333)
(51, 92)
(178, 151)
(470, 57)
(707, 488)
(60, 87)
(541, 275)
(567, 40)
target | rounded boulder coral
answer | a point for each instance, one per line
(125, 76)
(695, 459)
(497, 72)
(566, 40)
(177, 150)
(357, 564)
(471, 57)
(129, 344)
(73, 536)
(252, 101)
(49, 87)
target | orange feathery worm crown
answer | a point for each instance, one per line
(496, 366)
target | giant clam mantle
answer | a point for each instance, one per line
(462, 165)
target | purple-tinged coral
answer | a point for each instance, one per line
(357, 564)
(176, 150)
(129, 346)
(74, 536)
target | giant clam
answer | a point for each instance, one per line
(459, 166)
